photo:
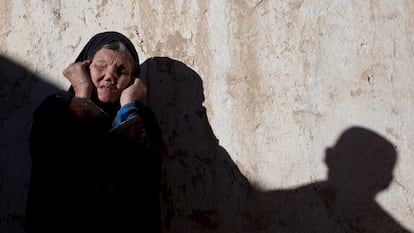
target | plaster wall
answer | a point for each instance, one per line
(249, 94)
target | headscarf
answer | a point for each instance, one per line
(100, 39)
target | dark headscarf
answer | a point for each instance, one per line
(100, 39)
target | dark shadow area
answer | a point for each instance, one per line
(204, 191)
(20, 92)
(360, 166)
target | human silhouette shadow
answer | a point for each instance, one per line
(360, 166)
(20, 92)
(204, 191)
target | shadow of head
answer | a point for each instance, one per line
(175, 93)
(362, 160)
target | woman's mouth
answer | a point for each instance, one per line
(106, 88)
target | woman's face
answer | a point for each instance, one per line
(111, 73)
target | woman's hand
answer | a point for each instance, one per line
(134, 92)
(78, 75)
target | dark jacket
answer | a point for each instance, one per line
(88, 176)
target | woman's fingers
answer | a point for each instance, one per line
(134, 92)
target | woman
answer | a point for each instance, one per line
(96, 149)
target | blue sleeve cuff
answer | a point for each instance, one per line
(126, 112)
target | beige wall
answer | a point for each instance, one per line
(279, 81)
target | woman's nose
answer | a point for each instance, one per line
(109, 76)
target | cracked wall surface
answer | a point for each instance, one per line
(252, 96)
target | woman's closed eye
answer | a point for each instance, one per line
(100, 66)
(121, 71)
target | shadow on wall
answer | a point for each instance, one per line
(204, 191)
(20, 92)
(360, 166)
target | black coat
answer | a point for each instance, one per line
(88, 176)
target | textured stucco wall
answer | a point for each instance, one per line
(249, 94)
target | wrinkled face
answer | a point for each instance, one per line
(111, 73)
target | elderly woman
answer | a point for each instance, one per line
(96, 149)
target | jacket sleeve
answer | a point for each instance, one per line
(63, 121)
(142, 127)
